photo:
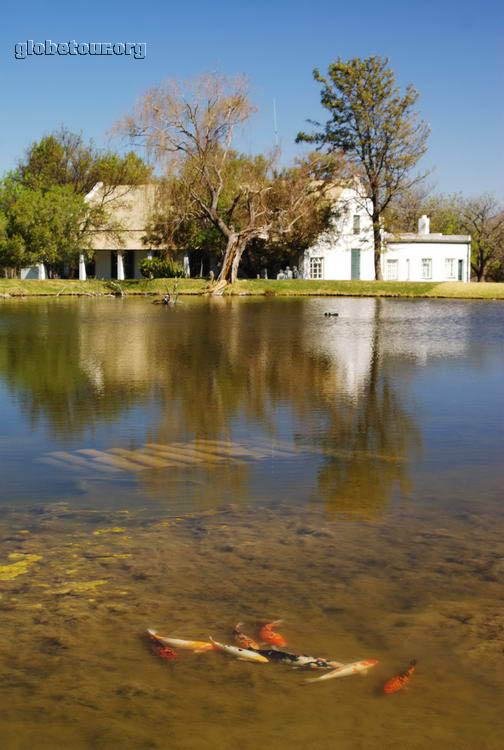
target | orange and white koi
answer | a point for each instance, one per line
(268, 635)
(197, 646)
(243, 640)
(400, 680)
(244, 654)
(356, 667)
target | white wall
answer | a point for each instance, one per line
(414, 252)
(336, 245)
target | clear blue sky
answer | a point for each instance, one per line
(450, 50)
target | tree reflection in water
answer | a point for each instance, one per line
(214, 367)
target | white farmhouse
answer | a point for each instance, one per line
(426, 257)
(346, 250)
(117, 255)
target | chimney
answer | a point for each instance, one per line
(423, 225)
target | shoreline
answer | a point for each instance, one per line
(15, 288)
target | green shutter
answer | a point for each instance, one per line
(355, 264)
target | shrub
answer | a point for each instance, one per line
(161, 268)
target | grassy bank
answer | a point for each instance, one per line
(288, 288)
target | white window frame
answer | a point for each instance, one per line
(356, 224)
(391, 269)
(426, 268)
(451, 268)
(317, 267)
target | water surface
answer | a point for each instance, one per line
(245, 460)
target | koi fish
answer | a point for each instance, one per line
(244, 654)
(164, 652)
(243, 640)
(356, 667)
(197, 646)
(401, 680)
(298, 660)
(268, 635)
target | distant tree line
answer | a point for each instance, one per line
(242, 210)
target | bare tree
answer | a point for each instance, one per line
(483, 218)
(190, 130)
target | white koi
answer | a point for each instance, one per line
(356, 667)
(197, 646)
(239, 653)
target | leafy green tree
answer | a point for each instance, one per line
(45, 215)
(63, 158)
(377, 130)
(43, 227)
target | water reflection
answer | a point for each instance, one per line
(333, 389)
(50, 366)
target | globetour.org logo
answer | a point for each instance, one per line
(22, 50)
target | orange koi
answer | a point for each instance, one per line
(400, 680)
(268, 635)
(164, 652)
(243, 640)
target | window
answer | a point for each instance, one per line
(356, 224)
(450, 268)
(391, 270)
(316, 268)
(426, 268)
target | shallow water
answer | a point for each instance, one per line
(246, 460)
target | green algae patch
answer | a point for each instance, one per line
(113, 530)
(78, 587)
(9, 572)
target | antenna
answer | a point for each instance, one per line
(275, 128)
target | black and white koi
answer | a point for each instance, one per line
(298, 660)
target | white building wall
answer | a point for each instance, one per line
(335, 246)
(409, 257)
(331, 255)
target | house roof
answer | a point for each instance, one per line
(131, 206)
(427, 238)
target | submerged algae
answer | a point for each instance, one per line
(77, 587)
(8, 572)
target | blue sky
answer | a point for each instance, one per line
(451, 51)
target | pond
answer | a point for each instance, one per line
(189, 467)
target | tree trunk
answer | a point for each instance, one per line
(377, 240)
(227, 263)
(237, 258)
(232, 257)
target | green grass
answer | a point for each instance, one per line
(287, 288)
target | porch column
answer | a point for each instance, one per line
(41, 272)
(187, 269)
(120, 266)
(82, 268)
